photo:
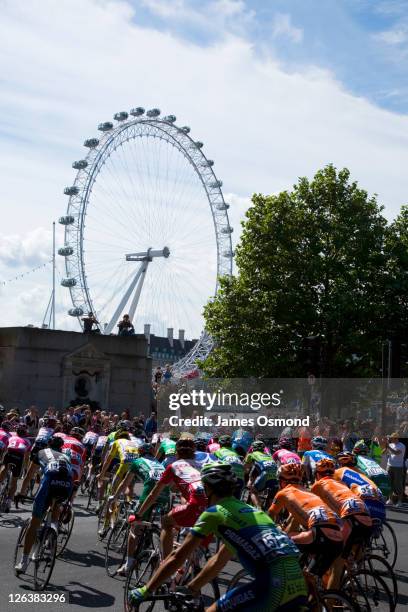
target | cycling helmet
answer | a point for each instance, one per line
(218, 474)
(56, 443)
(258, 445)
(325, 466)
(318, 442)
(292, 472)
(185, 443)
(285, 443)
(78, 433)
(346, 458)
(2, 410)
(361, 448)
(201, 443)
(336, 444)
(225, 441)
(6, 426)
(21, 430)
(122, 433)
(124, 425)
(66, 427)
(145, 449)
(186, 435)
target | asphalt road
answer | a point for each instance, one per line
(80, 573)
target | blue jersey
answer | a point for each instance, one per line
(311, 457)
(201, 458)
(51, 460)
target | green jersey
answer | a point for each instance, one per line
(147, 468)
(227, 455)
(167, 448)
(248, 533)
(376, 473)
(263, 463)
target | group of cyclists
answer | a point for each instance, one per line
(267, 503)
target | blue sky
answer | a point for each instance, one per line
(275, 89)
(363, 42)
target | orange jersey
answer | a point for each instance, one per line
(339, 497)
(306, 508)
(358, 483)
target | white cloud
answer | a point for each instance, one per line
(282, 27)
(66, 70)
(31, 249)
(396, 36)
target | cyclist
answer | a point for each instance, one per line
(214, 444)
(321, 527)
(226, 454)
(265, 552)
(5, 434)
(310, 458)
(370, 468)
(284, 454)
(56, 485)
(262, 471)
(346, 504)
(201, 456)
(360, 484)
(166, 453)
(183, 473)
(44, 434)
(147, 470)
(241, 441)
(16, 455)
(75, 450)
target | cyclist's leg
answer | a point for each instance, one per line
(31, 472)
(184, 515)
(40, 506)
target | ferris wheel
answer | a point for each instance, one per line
(147, 231)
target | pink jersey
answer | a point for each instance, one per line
(18, 445)
(4, 438)
(284, 456)
(187, 479)
(214, 446)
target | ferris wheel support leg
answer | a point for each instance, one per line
(138, 291)
(123, 301)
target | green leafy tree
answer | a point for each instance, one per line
(317, 262)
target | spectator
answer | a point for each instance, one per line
(151, 425)
(89, 322)
(167, 374)
(158, 375)
(126, 326)
(31, 420)
(396, 468)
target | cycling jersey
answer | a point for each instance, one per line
(4, 438)
(18, 445)
(227, 455)
(51, 460)
(307, 508)
(201, 458)
(375, 472)
(149, 471)
(365, 488)
(185, 475)
(100, 444)
(15, 454)
(248, 533)
(213, 446)
(339, 497)
(167, 448)
(262, 463)
(76, 452)
(125, 450)
(311, 457)
(243, 439)
(284, 456)
(44, 434)
(90, 438)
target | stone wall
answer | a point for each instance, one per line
(46, 367)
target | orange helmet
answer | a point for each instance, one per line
(292, 472)
(326, 466)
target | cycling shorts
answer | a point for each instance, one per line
(15, 460)
(122, 470)
(360, 528)
(277, 586)
(54, 486)
(376, 508)
(324, 542)
(186, 515)
(263, 481)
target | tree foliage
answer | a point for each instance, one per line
(318, 261)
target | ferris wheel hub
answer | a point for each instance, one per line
(148, 255)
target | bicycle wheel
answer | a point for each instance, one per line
(102, 518)
(19, 545)
(4, 488)
(65, 529)
(116, 548)
(45, 558)
(33, 486)
(384, 542)
(147, 560)
(374, 563)
(334, 600)
(92, 492)
(369, 591)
